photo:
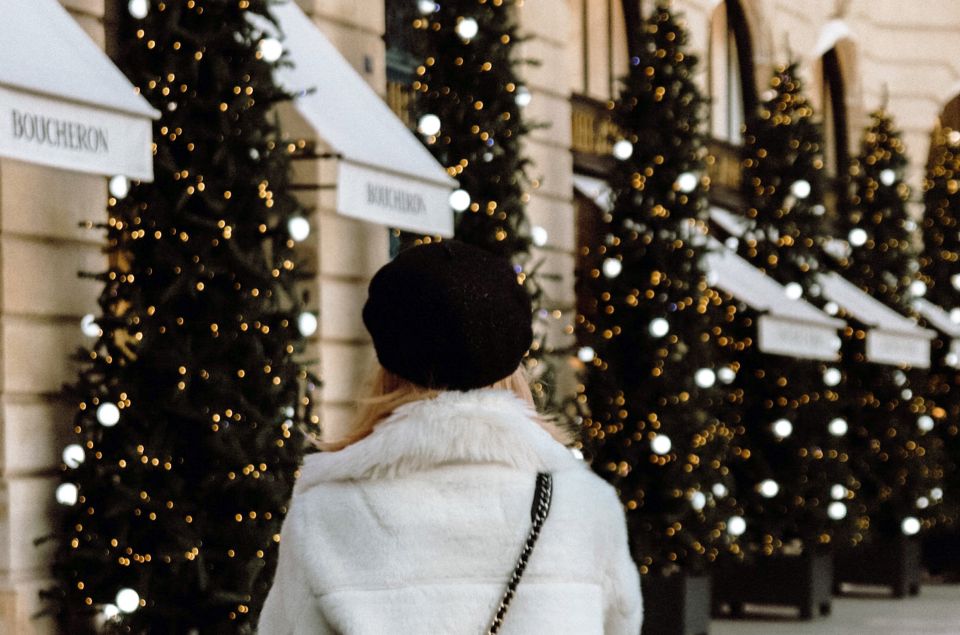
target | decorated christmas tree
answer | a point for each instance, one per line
(185, 443)
(941, 273)
(468, 107)
(790, 467)
(653, 382)
(891, 451)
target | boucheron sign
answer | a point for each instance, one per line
(73, 136)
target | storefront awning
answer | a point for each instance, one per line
(594, 189)
(785, 326)
(946, 323)
(385, 175)
(62, 101)
(891, 338)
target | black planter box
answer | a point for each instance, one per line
(804, 582)
(892, 562)
(676, 605)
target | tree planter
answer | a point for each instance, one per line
(804, 582)
(676, 605)
(892, 562)
(941, 552)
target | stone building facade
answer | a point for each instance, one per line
(854, 55)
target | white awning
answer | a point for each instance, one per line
(946, 323)
(891, 338)
(786, 326)
(386, 176)
(597, 190)
(62, 101)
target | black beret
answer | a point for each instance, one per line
(449, 315)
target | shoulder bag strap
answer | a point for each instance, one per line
(541, 507)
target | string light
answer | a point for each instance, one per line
(705, 378)
(661, 444)
(736, 525)
(687, 182)
(523, 97)
(726, 375)
(429, 125)
(271, 49)
(910, 526)
(307, 323)
(467, 29)
(832, 376)
(612, 267)
(127, 600)
(426, 7)
(719, 490)
(837, 427)
(459, 200)
(857, 237)
(659, 327)
(793, 290)
(768, 488)
(801, 189)
(888, 177)
(623, 149)
(782, 428)
(73, 456)
(108, 415)
(838, 491)
(538, 235)
(925, 423)
(299, 228)
(89, 326)
(837, 510)
(698, 501)
(138, 8)
(119, 186)
(67, 494)
(586, 354)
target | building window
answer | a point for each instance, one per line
(732, 90)
(836, 154)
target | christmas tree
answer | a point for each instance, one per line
(651, 384)
(941, 274)
(790, 469)
(468, 108)
(890, 450)
(185, 441)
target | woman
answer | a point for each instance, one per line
(414, 523)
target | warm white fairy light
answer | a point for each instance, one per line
(67, 494)
(73, 456)
(838, 491)
(299, 228)
(623, 149)
(705, 378)
(270, 49)
(467, 29)
(736, 525)
(726, 375)
(687, 182)
(782, 428)
(888, 177)
(127, 600)
(698, 501)
(138, 8)
(586, 354)
(307, 323)
(538, 235)
(832, 376)
(523, 97)
(801, 189)
(768, 488)
(857, 237)
(108, 415)
(661, 444)
(612, 267)
(910, 526)
(794, 291)
(837, 427)
(119, 186)
(89, 326)
(925, 423)
(837, 510)
(659, 327)
(428, 125)
(459, 200)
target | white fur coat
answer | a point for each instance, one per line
(416, 528)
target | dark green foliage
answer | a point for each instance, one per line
(472, 86)
(183, 498)
(939, 268)
(783, 189)
(893, 459)
(640, 389)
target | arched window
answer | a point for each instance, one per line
(834, 109)
(731, 77)
(950, 117)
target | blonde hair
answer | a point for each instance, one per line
(386, 391)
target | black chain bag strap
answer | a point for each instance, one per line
(541, 507)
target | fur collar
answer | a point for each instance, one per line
(477, 426)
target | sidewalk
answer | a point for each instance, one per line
(936, 611)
